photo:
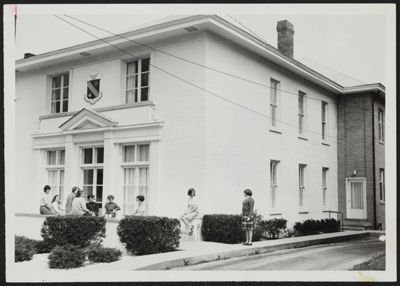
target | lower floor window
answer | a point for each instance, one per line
(56, 181)
(135, 183)
(93, 183)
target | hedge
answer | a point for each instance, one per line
(24, 249)
(75, 230)
(273, 228)
(67, 256)
(149, 234)
(98, 253)
(311, 226)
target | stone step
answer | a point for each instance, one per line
(356, 225)
(187, 237)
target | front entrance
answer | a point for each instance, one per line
(356, 198)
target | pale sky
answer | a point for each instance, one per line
(335, 44)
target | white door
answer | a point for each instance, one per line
(356, 198)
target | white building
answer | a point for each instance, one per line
(172, 130)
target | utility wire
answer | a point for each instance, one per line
(190, 83)
(192, 62)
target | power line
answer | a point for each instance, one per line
(192, 62)
(190, 83)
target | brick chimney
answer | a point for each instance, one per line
(285, 37)
(28, 55)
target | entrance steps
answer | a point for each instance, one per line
(357, 225)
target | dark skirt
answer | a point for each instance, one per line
(247, 223)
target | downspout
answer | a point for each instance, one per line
(373, 158)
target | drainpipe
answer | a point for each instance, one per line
(373, 157)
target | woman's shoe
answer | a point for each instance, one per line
(244, 243)
(249, 244)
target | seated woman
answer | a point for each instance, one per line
(192, 211)
(56, 205)
(79, 205)
(45, 201)
(140, 207)
(111, 207)
(92, 205)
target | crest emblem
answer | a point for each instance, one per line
(93, 93)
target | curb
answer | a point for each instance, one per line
(254, 250)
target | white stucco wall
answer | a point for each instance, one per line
(239, 144)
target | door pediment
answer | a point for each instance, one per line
(87, 119)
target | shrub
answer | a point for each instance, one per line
(98, 253)
(66, 256)
(227, 228)
(24, 249)
(149, 234)
(274, 227)
(310, 226)
(42, 246)
(76, 230)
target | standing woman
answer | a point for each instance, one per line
(248, 216)
(192, 211)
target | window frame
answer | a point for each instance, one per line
(58, 168)
(302, 113)
(381, 127)
(274, 109)
(302, 186)
(62, 95)
(135, 165)
(325, 172)
(324, 121)
(274, 184)
(138, 80)
(382, 185)
(95, 166)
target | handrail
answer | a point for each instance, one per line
(336, 212)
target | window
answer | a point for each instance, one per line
(380, 125)
(59, 93)
(92, 166)
(55, 171)
(324, 119)
(137, 80)
(382, 185)
(274, 182)
(274, 101)
(324, 186)
(302, 187)
(301, 112)
(135, 165)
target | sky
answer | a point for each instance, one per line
(345, 45)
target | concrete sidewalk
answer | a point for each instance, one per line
(194, 252)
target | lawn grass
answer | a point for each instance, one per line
(375, 263)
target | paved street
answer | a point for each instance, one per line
(338, 256)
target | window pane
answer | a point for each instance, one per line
(144, 94)
(66, 79)
(88, 156)
(130, 95)
(143, 178)
(65, 106)
(99, 177)
(57, 106)
(88, 177)
(61, 159)
(129, 153)
(273, 115)
(145, 79)
(51, 157)
(145, 64)
(55, 94)
(65, 93)
(131, 68)
(129, 176)
(99, 193)
(88, 190)
(131, 82)
(143, 153)
(56, 82)
(100, 155)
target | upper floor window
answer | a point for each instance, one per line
(274, 87)
(324, 119)
(59, 93)
(301, 98)
(137, 80)
(382, 185)
(380, 125)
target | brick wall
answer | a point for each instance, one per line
(355, 149)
